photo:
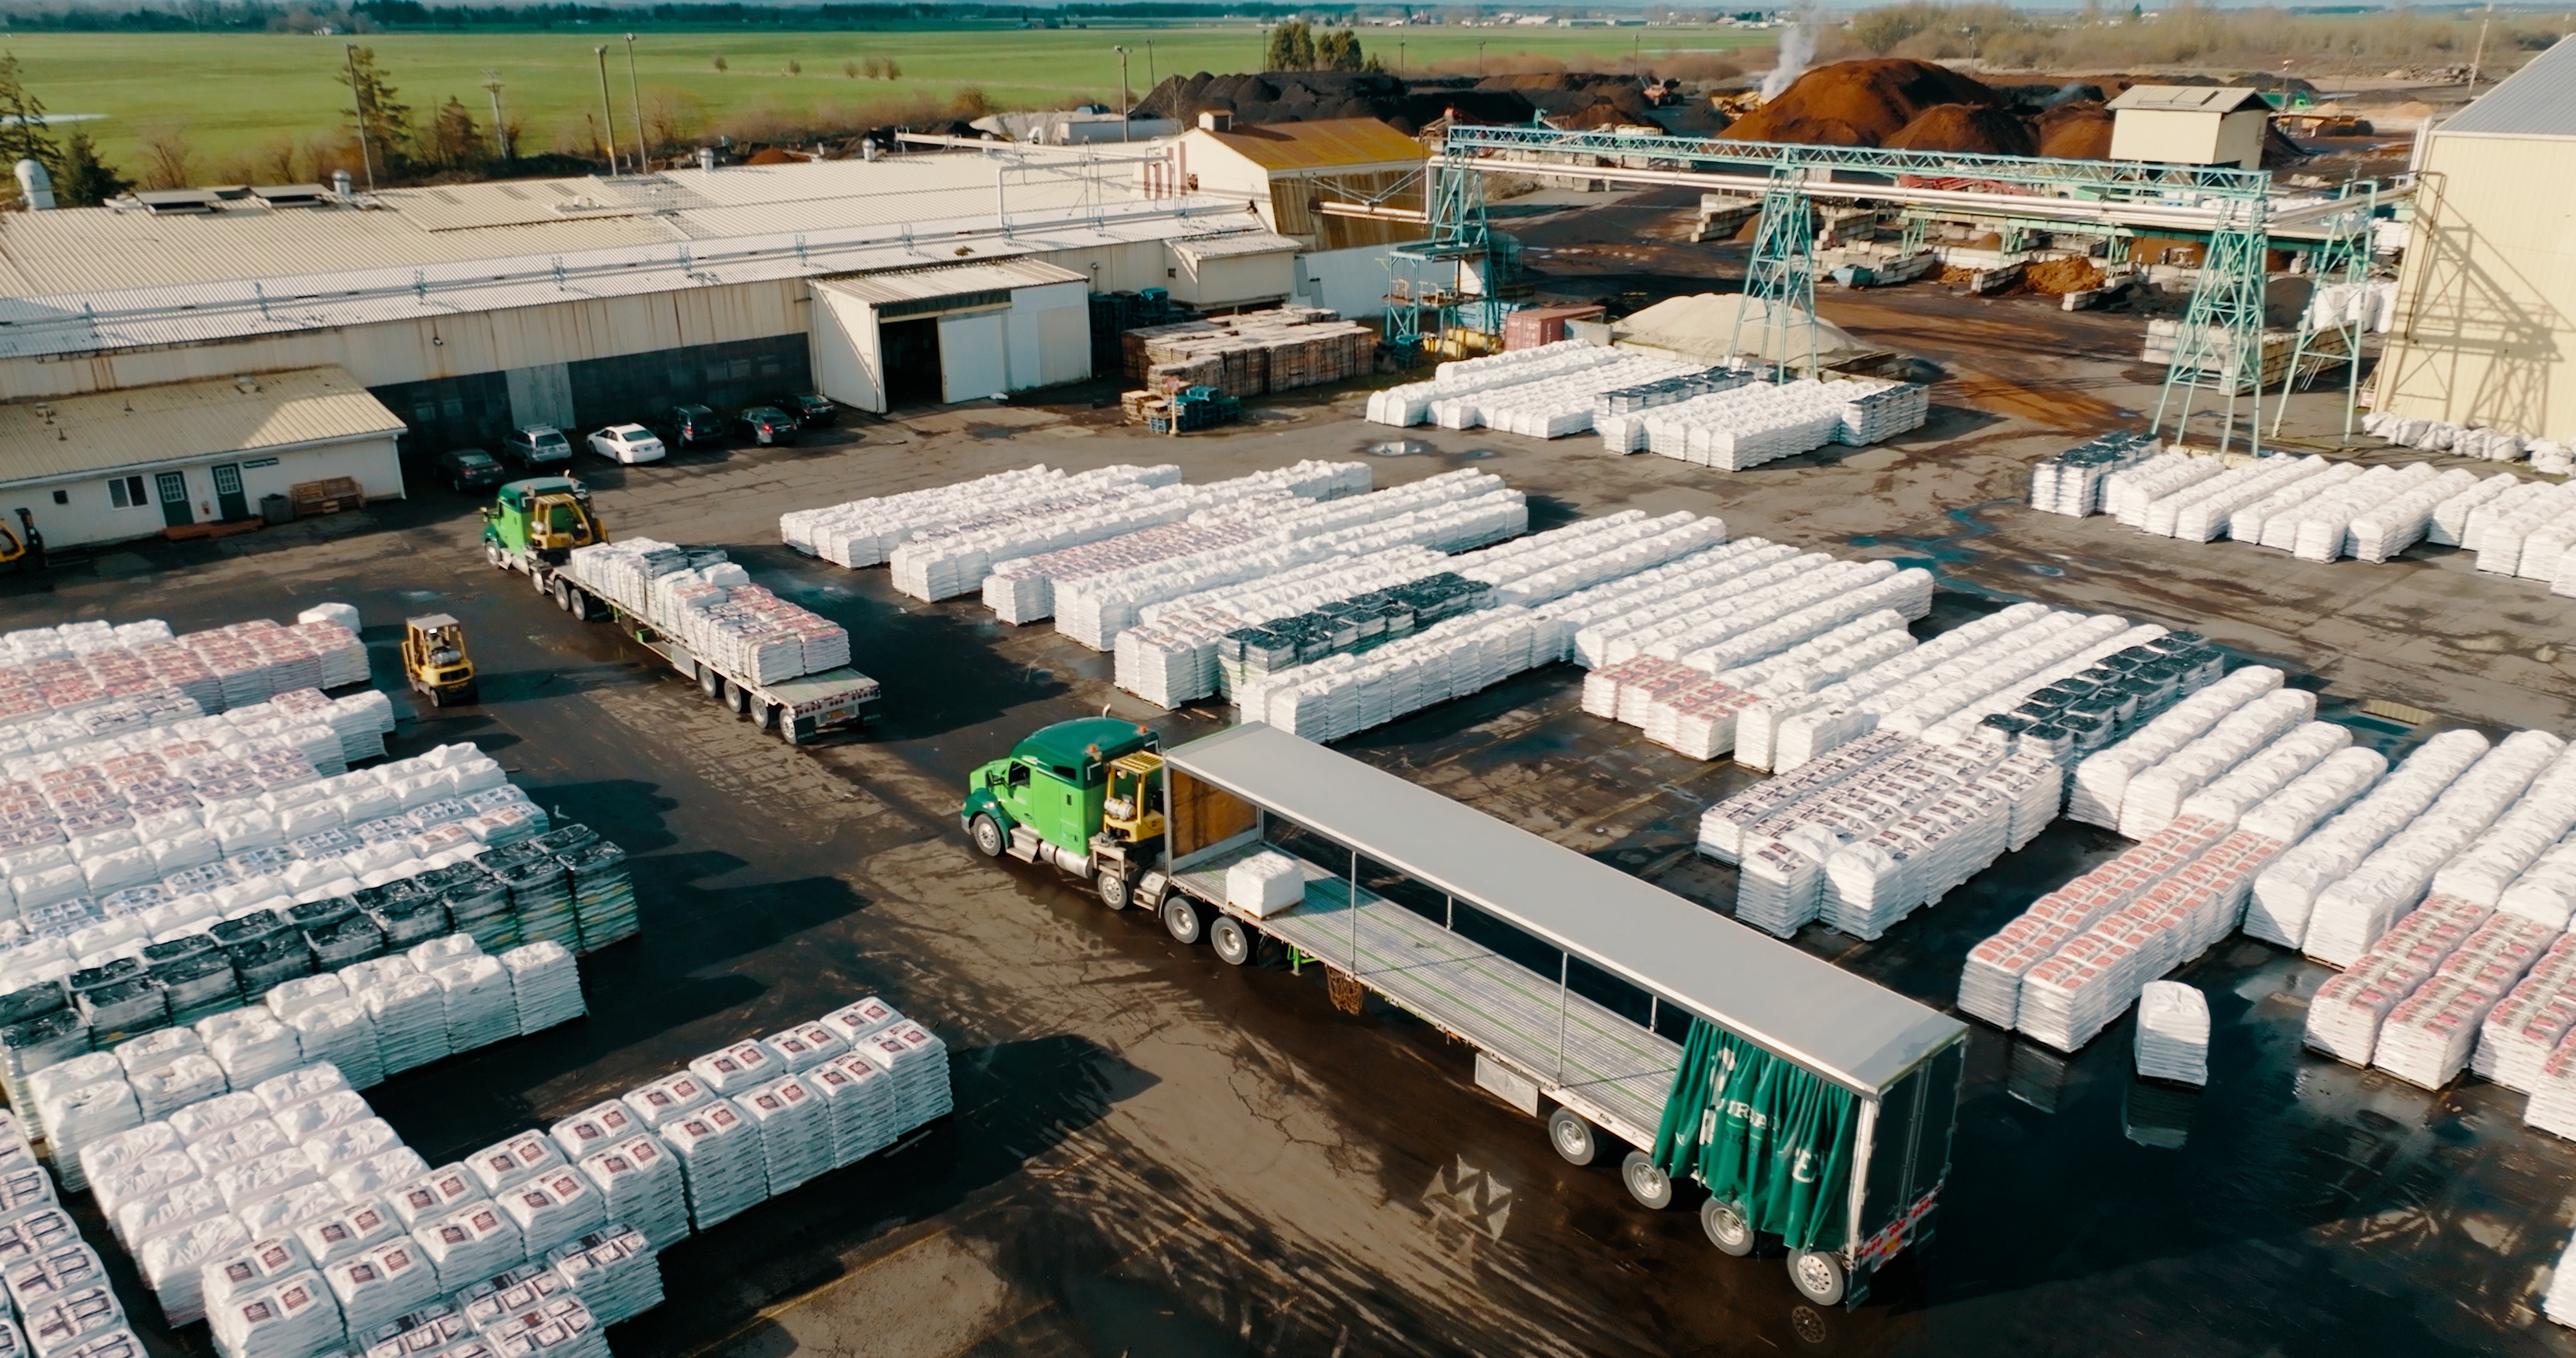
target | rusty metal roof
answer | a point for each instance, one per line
(1324, 144)
(144, 427)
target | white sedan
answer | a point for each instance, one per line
(627, 443)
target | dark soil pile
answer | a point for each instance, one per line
(1859, 103)
(1981, 130)
(2077, 131)
(1305, 96)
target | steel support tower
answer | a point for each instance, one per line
(1781, 276)
(2343, 260)
(2231, 206)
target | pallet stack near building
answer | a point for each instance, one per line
(1250, 354)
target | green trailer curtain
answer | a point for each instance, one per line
(1760, 1132)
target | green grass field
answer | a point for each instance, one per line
(234, 94)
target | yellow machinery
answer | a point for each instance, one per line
(24, 548)
(1132, 812)
(434, 660)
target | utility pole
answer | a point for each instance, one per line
(358, 98)
(1480, 57)
(635, 93)
(1399, 56)
(1126, 107)
(2480, 58)
(500, 130)
(607, 109)
(1150, 82)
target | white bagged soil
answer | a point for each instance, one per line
(433, 1194)
(249, 1268)
(720, 1155)
(2173, 1033)
(293, 1317)
(641, 1184)
(348, 1233)
(1265, 884)
(381, 1284)
(613, 1270)
(470, 1243)
(805, 1046)
(545, 986)
(511, 1162)
(795, 1131)
(552, 1208)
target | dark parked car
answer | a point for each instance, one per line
(809, 410)
(470, 469)
(681, 426)
(536, 445)
(765, 424)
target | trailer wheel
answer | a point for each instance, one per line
(765, 716)
(711, 683)
(1726, 1228)
(1646, 1182)
(987, 834)
(537, 580)
(737, 697)
(1232, 939)
(1818, 1276)
(563, 594)
(1573, 1137)
(1181, 920)
(787, 728)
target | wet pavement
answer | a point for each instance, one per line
(1154, 1154)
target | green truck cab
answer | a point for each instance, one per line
(539, 519)
(1083, 795)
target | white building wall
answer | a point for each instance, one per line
(88, 513)
(1351, 282)
(974, 355)
(848, 361)
(2173, 136)
(1049, 332)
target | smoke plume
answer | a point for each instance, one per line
(1797, 48)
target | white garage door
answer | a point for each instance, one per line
(974, 358)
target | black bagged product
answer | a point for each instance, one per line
(351, 938)
(541, 893)
(199, 982)
(124, 1009)
(407, 917)
(31, 1044)
(246, 929)
(44, 997)
(106, 974)
(603, 894)
(271, 961)
(478, 906)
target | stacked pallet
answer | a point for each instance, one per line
(1410, 404)
(944, 565)
(711, 606)
(1252, 353)
(1191, 647)
(862, 533)
(1450, 512)
(1345, 693)
(2071, 482)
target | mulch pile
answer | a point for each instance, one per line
(1983, 130)
(2062, 275)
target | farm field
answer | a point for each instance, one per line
(234, 95)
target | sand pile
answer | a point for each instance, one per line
(2076, 131)
(1967, 128)
(1859, 103)
(2062, 275)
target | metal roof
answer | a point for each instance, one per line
(143, 427)
(930, 281)
(2537, 101)
(35, 322)
(1826, 1019)
(2189, 99)
(1235, 244)
(1324, 144)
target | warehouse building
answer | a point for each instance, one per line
(2485, 331)
(467, 310)
(2190, 125)
(126, 464)
(1334, 183)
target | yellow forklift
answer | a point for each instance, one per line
(25, 548)
(434, 660)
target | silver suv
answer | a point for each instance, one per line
(536, 445)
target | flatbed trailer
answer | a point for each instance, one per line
(1580, 988)
(800, 709)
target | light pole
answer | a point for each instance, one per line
(500, 130)
(635, 94)
(1151, 83)
(1480, 57)
(1126, 108)
(607, 110)
(1399, 56)
(358, 99)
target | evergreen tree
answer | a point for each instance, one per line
(384, 123)
(22, 122)
(454, 142)
(1291, 48)
(1339, 50)
(86, 180)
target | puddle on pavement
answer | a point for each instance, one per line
(1400, 448)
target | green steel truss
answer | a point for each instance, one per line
(2343, 259)
(1781, 276)
(1424, 275)
(2222, 339)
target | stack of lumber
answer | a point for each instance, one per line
(1253, 353)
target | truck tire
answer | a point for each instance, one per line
(1232, 939)
(1724, 1225)
(1818, 1276)
(766, 717)
(1645, 1181)
(1181, 919)
(563, 594)
(787, 729)
(1575, 1141)
(738, 698)
(492, 553)
(711, 683)
(537, 580)
(1114, 888)
(987, 834)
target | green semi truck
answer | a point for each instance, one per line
(1801, 1105)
